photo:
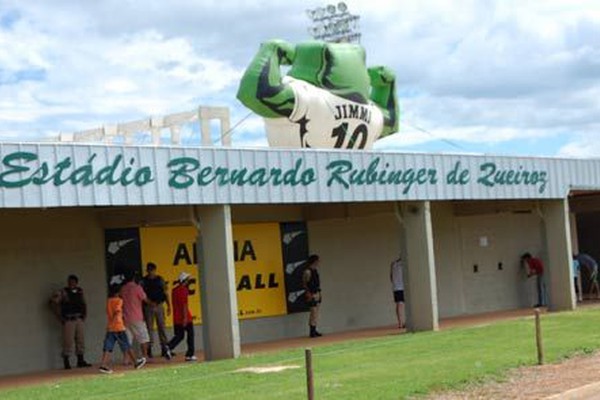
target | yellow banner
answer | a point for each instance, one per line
(259, 275)
(258, 264)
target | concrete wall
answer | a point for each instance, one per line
(355, 257)
(38, 250)
(448, 258)
(489, 241)
(343, 234)
(356, 244)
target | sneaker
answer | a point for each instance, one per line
(167, 354)
(139, 363)
(105, 370)
(191, 358)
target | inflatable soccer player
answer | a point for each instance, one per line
(328, 99)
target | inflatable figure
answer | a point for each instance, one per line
(328, 99)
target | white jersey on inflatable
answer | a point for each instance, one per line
(321, 119)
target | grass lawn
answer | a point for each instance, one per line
(390, 367)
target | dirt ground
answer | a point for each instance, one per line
(538, 382)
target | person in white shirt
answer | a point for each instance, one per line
(397, 279)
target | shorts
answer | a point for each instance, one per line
(137, 330)
(116, 337)
(398, 296)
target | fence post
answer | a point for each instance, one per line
(309, 374)
(538, 337)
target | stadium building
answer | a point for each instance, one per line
(242, 221)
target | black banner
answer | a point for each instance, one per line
(122, 251)
(294, 243)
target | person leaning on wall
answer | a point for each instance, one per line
(70, 307)
(535, 267)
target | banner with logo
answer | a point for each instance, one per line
(261, 255)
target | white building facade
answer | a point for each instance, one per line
(461, 222)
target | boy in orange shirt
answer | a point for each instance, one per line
(115, 332)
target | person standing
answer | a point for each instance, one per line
(155, 288)
(182, 318)
(585, 260)
(116, 332)
(312, 291)
(577, 278)
(133, 299)
(73, 311)
(536, 267)
(397, 279)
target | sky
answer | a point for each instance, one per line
(514, 77)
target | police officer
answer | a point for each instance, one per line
(72, 313)
(312, 288)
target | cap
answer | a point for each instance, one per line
(183, 276)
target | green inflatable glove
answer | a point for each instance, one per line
(328, 99)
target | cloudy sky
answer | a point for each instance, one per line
(508, 76)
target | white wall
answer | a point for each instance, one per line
(39, 248)
(447, 247)
(355, 258)
(484, 240)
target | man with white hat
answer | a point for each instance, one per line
(182, 317)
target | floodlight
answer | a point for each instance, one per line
(334, 23)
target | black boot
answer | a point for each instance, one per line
(81, 363)
(313, 332)
(66, 362)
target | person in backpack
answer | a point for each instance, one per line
(155, 287)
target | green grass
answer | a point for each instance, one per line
(390, 367)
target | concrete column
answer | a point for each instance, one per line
(574, 236)
(558, 271)
(421, 288)
(220, 326)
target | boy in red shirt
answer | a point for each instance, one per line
(115, 332)
(182, 318)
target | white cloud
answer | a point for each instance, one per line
(104, 79)
(583, 144)
(474, 72)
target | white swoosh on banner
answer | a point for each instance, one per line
(114, 247)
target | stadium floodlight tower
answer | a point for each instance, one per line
(334, 24)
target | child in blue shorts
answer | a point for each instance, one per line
(115, 332)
